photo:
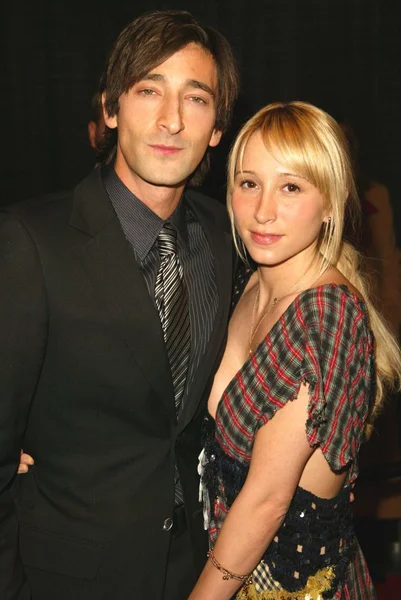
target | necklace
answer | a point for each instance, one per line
(252, 331)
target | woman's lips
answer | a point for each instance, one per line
(265, 239)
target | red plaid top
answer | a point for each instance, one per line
(322, 338)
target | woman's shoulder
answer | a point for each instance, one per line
(331, 306)
(332, 289)
(332, 292)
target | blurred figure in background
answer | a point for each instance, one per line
(377, 240)
(96, 125)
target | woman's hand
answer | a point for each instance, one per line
(26, 461)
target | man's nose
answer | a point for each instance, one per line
(170, 117)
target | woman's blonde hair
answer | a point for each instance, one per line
(310, 142)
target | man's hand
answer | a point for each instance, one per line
(26, 461)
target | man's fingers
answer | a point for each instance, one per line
(26, 459)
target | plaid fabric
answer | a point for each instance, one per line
(359, 585)
(263, 579)
(324, 339)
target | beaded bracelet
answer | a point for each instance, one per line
(245, 579)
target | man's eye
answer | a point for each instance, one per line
(147, 92)
(198, 100)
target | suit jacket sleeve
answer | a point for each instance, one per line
(22, 345)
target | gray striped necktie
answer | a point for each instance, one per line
(172, 303)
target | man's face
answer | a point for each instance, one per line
(166, 122)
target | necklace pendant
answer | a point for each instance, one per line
(275, 300)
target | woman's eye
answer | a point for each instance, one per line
(292, 187)
(247, 184)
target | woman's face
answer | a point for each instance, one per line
(277, 213)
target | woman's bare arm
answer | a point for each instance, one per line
(279, 456)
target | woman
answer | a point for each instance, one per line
(302, 376)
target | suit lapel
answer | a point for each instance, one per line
(221, 246)
(111, 266)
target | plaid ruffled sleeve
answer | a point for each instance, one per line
(326, 342)
(338, 365)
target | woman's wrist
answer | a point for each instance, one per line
(226, 574)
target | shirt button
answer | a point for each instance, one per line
(167, 525)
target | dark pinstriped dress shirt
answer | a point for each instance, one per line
(141, 227)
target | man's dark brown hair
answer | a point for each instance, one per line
(151, 39)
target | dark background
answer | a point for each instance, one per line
(343, 55)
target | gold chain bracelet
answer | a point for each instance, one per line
(245, 579)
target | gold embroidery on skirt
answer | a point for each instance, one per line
(317, 584)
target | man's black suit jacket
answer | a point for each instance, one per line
(85, 388)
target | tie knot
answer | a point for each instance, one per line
(167, 240)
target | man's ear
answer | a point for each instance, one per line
(111, 122)
(215, 138)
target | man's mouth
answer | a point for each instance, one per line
(165, 149)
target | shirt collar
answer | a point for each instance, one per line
(140, 224)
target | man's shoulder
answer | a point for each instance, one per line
(210, 207)
(51, 205)
(38, 204)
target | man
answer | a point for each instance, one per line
(104, 289)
